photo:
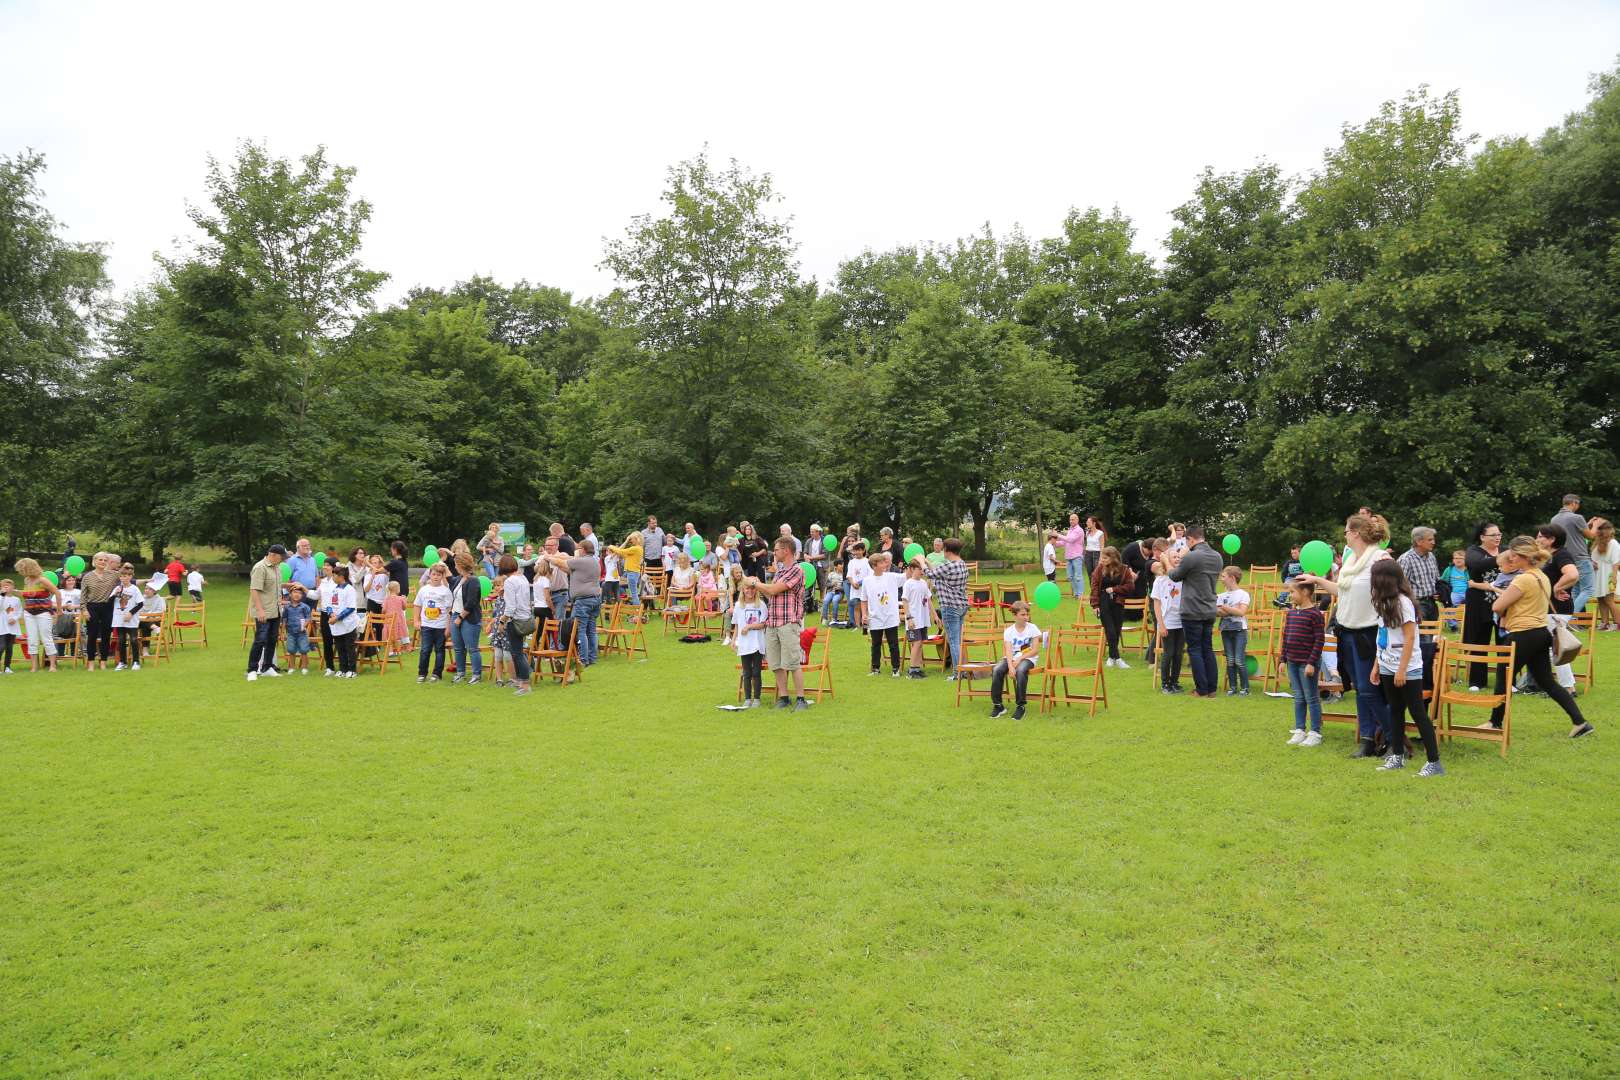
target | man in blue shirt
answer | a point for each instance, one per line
(304, 570)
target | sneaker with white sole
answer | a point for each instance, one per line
(1473, 690)
(303, 671)
(330, 673)
(1297, 737)
(135, 667)
(1391, 763)
(1432, 768)
(1313, 739)
(271, 673)
(253, 676)
(1120, 663)
(121, 667)
(421, 678)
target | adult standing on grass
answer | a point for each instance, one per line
(754, 551)
(652, 545)
(784, 621)
(1096, 540)
(264, 604)
(39, 608)
(632, 552)
(1112, 583)
(1358, 626)
(97, 589)
(466, 620)
(585, 596)
(302, 565)
(518, 597)
(1074, 555)
(1577, 531)
(1423, 573)
(399, 571)
(1522, 607)
(948, 579)
(1479, 628)
(1199, 573)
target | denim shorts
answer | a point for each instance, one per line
(297, 642)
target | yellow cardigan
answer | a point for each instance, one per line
(631, 556)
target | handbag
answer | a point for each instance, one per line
(65, 627)
(1565, 645)
(524, 627)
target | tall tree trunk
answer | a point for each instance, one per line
(157, 551)
(981, 518)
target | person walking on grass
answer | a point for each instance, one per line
(784, 622)
(1522, 608)
(264, 604)
(1199, 573)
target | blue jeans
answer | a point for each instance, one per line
(1077, 575)
(632, 586)
(1356, 668)
(490, 570)
(559, 604)
(1235, 644)
(585, 609)
(517, 647)
(464, 635)
(1201, 653)
(829, 605)
(1307, 698)
(1586, 586)
(952, 618)
(849, 602)
(431, 644)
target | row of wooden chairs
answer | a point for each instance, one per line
(1068, 671)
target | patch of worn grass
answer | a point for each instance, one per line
(206, 877)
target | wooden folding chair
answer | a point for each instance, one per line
(1260, 574)
(623, 634)
(1451, 619)
(1075, 654)
(817, 662)
(190, 618)
(372, 648)
(678, 608)
(981, 610)
(1447, 698)
(1265, 635)
(1335, 685)
(556, 655)
(708, 612)
(76, 642)
(1006, 597)
(1584, 626)
(986, 643)
(655, 587)
(157, 638)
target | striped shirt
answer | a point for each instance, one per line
(1302, 636)
(98, 586)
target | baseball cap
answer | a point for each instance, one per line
(277, 549)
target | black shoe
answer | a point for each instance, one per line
(801, 705)
(1584, 729)
(1018, 713)
(783, 703)
(996, 712)
(1364, 749)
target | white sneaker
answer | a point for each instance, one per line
(10, 672)
(253, 676)
(1313, 739)
(330, 673)
(270, 673)
(1120, 663)
(135, 667)
(1473, 689)
(121, 667)
(303, 671)
(1296, 738)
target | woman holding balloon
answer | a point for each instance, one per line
(1357, 619)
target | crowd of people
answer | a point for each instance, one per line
(1516, 591)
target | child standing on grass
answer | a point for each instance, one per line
(1232, 606)
(1049, 556)
(324, 594)
(731, 594)
(1167, 617)
(1399, 670)
(749, 623)
(395, 629)
(10, 623)
(1455, 579)
(610, 577)
(433, 601)
(856, 571)
(295, 616)
(499, 642)
(1021, 646)
(919, 615)
(880, 595)
(127, 620)
(1303, 633)
(344, 619)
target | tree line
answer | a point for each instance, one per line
(1424, 323)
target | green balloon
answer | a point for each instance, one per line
(430, 556)
(829, 543)
(1230, 543)
(809, 574)
(697, 549)
(50, 576)
(1316, 558)
(1252, 663)
(286, 572)
(74, 565)
(912, 551)
(1047, 596)
(484, 585)
(320, 559)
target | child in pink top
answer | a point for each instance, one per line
(395, 628)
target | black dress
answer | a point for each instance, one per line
(1478, 629)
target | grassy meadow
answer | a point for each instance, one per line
(205, 877)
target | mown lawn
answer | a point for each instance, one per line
(204, 877)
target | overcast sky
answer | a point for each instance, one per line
(509, 139)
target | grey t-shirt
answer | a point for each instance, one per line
(584, 576)
(1572, 524)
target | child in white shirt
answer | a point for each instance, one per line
(344, 620)
(919, 615)
(1167, 617)
(856, 571)
(1049, 558)
(127, 620)
(749, 622)
(10, 623)
(325, 594)
(610, 578)
(1232, 606)
(1021, 647)
(194, 584)
(153, 605)
(880, 596)
(433, 622)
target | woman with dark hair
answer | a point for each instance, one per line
(1112, 583)
(1561, 569)
(1096, 540)
(1478, 627)
(1523, 608)
(753, 549)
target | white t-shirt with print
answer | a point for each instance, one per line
(124, 613)
(434, 603)
(881, 593)
(1027, 640)
(856, 571)
(344, 597)
(750, 623)
(70, 599)
(1233, 598)
(1168, 594)
(11, 614)
(1392, 639)
(919, 604)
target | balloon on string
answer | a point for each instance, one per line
(286, 572)
(1316, 558)
(912, 551)
(484, 585)
(698, 549)
(74, 565)
(430, 556)
(1047, 596)
(320, 559)
(809, 574)
(1230, 543)
(829, 543)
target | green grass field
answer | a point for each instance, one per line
(205, 877)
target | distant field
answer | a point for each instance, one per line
(203, 877)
